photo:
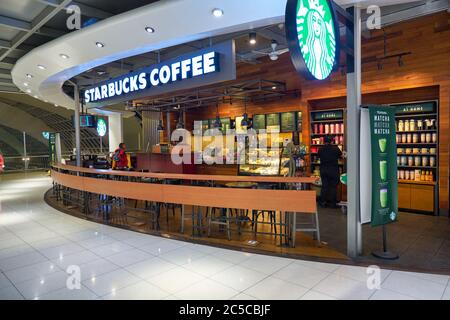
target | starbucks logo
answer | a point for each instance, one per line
(101, 127)
(393, 215)
(316, 36)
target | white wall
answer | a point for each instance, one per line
(115, 128)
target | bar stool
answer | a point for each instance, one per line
(221, 220)
(272, 214)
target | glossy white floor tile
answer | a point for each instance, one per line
(139, 291)
(175, 279)
(343, 288)
(276, 289)
(409, 284)
(301, 275)
(39, 245)
(239, 278)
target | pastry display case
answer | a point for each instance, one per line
(265, 162)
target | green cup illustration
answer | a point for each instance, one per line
(382, 144)
(384, 197)
(383, 170)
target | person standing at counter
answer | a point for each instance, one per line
(120, 157)
(2, 162)
(329, 155)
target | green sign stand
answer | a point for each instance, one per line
(384, 172)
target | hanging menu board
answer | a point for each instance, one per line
(226, 124)
(205, 125)
(259, 121)
(288, 122)
(273, 119)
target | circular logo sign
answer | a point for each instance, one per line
(46, 135)
(311, 31)
(101, 127)
(393, 215)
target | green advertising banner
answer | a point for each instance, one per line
(52, 147)
(384, 165)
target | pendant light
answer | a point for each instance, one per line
(180, 124)
(244, 122)
(217, 122)
(160, 124)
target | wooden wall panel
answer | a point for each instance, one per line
(424, 75)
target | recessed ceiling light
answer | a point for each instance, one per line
(36, 96)
(274, 88)
(64, 56)
(28, 90)
(25, 84)
(99, 44)
(217, 12)
(150, 29)
(40, 66)
(252, 38)
(29, 76)
(56, 105)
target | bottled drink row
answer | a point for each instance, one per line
(416, 125)
(415, 175)
(328, 128)
(416, 161)
(417, 138)
(336, 140)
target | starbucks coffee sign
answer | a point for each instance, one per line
(313, 37)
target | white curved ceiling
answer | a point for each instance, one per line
(175, 22)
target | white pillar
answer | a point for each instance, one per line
(354, 231)
(77, 125)
(115, 131)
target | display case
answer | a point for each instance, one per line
(326, 123)
(417, 155)
(265, 162)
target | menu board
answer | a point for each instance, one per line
(205, 125)
(288, 123)
(259, 121)
(273, 119)
(226, 124)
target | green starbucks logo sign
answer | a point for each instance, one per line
(311, 31)
(101, 127)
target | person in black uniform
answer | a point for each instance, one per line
(329, 155)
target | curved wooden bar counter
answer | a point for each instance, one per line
(177, 191)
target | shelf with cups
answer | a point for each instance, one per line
(417, 143)
(325, 123)
(416, 167)
(326, 134)
(418, 131)
(327, 120)
(428, 183)
(417, 138)
(419, 115)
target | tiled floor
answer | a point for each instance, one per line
(42, 250)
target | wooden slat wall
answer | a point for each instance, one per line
(424, 76)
